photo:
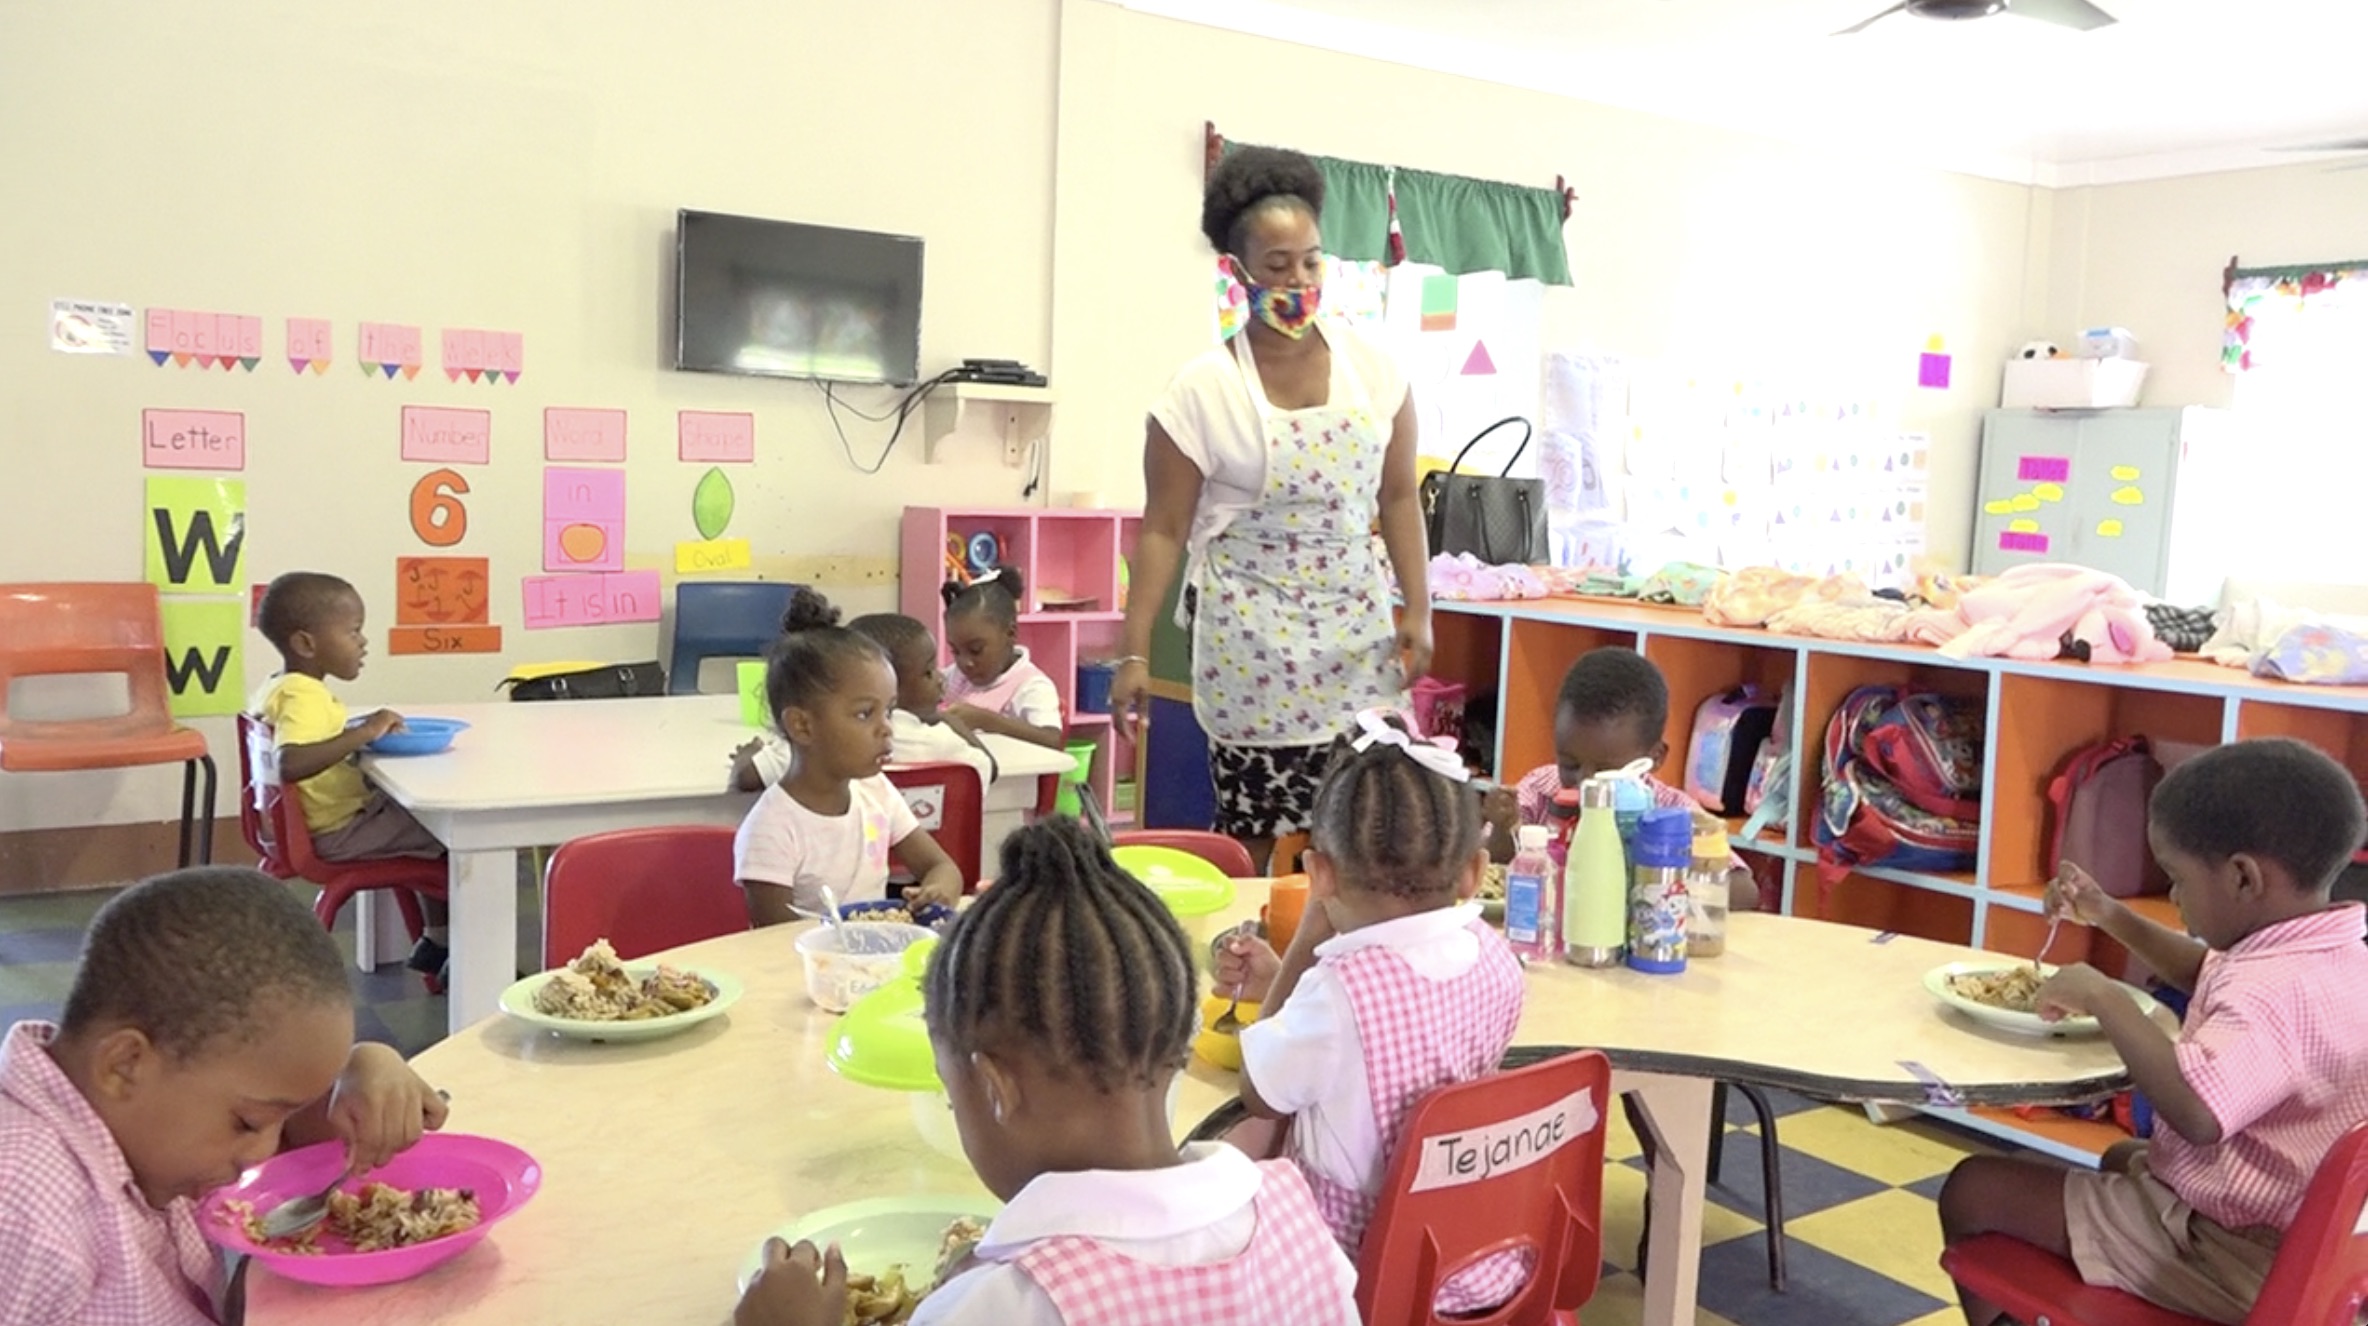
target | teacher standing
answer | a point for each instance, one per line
(1265, 464)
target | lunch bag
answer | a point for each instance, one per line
(2097, 816)
(605, 681)
(1902, 784)
(1729, 730)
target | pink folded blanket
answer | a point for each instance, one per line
(2029, 612)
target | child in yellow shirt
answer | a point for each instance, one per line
(315, 621)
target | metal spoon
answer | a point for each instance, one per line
(1229, 1022)
(299, 1214)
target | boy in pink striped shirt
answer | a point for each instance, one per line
(210, 1023)
(2269, 1068)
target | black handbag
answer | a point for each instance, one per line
(615, 681)
(1497, 519)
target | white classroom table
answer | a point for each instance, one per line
(741, 1126)
(527, 775)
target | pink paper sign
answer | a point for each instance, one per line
(583, 520)
(389, 348)
(483, 356)
(193, 439)
(716, 437)
(594, 600)
(2043, 469)
(309, 341)
(443, 436)
(583, 434)
(2011, 541)
(208, 339)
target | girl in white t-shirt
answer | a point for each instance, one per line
(992, 685)
(1061, 1007)
(834, 817)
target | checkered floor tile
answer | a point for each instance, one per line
(1863, 1235)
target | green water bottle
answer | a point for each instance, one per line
(1595, 880)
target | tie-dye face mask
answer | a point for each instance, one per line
(1289, 311)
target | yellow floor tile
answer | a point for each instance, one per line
(1623, 1217)
(1897, 1154)
(1944, 1317)
(1893, 1233)
(1619, 1140)
(1619, 1301)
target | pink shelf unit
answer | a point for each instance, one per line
(1073, 612)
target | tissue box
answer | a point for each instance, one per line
(2072, 384)
(2108, 343)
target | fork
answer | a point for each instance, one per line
(299, 1214)
(2053, 925)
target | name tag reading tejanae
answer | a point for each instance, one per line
(1474, 1154)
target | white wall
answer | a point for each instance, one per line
(512, 166)
(2148, 256)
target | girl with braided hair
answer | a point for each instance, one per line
(1061, 1006)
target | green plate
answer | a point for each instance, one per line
(880, 1232)
(518, 1002)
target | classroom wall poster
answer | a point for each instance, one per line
(715, 436)
(483, 356)
(591, 600)
(440, 435)
(195, 535)
(575, 434)
(387, 348)
(311, 345)
(208, 340)
(1470, 348)
(90, 327)
(193, 439)
(204, 656)
(583, 519)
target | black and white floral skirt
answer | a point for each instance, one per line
(1266, 791)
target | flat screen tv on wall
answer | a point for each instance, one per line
(781, 299)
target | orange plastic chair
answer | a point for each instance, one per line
(284, 842)
(951, 801)
(65, 629)
(2320, 1277)
(1218, 850)
(1553, 1204)
(643, 890)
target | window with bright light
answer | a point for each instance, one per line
(2304, 411)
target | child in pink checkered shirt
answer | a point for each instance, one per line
(1393, 987)
(1061, 1006)
(210, 1024)
(2268, 1069)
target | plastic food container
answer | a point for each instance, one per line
(846, 962)
(1222, 1048)
(1196, 891)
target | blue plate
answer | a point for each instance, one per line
(420, 736)
(935, 916)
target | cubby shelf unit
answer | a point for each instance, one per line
(2038, 715)
(1075, 555)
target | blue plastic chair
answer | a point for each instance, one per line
(723, 619)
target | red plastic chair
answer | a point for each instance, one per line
(1417, 1239)
(67, 629)
(643, 890)
(281, 838)
(1215, 848)
(951, 801)
(2320, 1277)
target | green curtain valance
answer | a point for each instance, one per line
(1448, 221)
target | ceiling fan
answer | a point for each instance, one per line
(2078, 14)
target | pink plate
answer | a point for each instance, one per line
(502, 1176)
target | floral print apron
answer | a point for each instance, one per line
(1292, 631)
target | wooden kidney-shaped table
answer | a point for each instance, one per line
(665, 1163)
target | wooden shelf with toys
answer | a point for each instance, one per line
(2038, 715)
(1073, 570)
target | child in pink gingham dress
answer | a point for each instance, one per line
(1061, 1006)
(1393, 986)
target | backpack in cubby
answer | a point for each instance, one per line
(1902, 784)
(1729, 730)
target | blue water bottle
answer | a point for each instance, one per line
(1659, 908)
